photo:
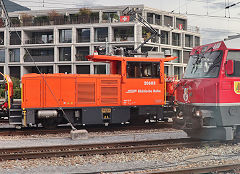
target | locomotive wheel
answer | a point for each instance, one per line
(49, 123)
(138, 120)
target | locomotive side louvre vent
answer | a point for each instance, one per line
(85, 92)
(109, 82)
(109, 91)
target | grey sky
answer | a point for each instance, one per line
(198, 12)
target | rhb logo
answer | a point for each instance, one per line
(185, 94)
(237, 87)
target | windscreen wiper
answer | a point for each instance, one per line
(215, 63)
(199, 59)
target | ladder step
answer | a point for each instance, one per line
(15, 110)
(15, 116)
(15, 106)
(13, 123)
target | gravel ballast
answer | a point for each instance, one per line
(164, 160)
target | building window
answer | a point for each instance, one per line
(175, 39)
(186, 55)
(150, 18)
(158, 19)
(101, 50)
(101, 34)
(99, 69)
(14, 55)
(2, 71)
(166, 70)
(166, 49)
(15, 71)
(188, 40)
(178, 54)
(177, 71)
(147, 34)
(168, 21)
(197, 41)
(165, 37)
(39, 55)
(15, 38)
(65, 54)
(2, 56)
(1, 38)
(40, 38)
(43, 69)
(83, 35)
(83, 69)
(65, 36)
(66, 69)
(82, 52)
(123, 34)
(181, 24)
(110, 17)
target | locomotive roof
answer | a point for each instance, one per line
(220, 45)
(232, 43)
(100, 58)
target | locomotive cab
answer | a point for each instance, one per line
(209, 93)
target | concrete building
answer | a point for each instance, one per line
(57, 41)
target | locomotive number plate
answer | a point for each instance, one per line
(106, 110)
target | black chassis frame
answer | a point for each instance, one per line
(94, 115)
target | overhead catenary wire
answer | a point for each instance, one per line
(8, 25)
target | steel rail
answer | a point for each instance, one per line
(42, 131)
(233, 168)
(93, 149)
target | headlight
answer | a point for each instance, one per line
(198, 113)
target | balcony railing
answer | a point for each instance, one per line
(60, 21)
(101, 38)
(119, 38)
(65, 40)
(176, 42)
(15, 41)
(14, 59)
(48, 58)
(64, 58)
(189, 44)
(37, 41)
(81, 57)
(2, 60)
(83, 39)
(158, 22)
(150, 20)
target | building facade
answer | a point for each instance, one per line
(57, 41)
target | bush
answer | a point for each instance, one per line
(16, 83)
(2, 93)
(17, 93)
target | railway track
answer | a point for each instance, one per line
(230, 168)
(67, 129)
(93, 149)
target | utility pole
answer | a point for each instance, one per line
(7, 22)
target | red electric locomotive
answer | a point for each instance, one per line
(209, 93)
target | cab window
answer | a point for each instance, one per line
(143, 69)
(235, 56)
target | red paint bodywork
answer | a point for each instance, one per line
(209, 90)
